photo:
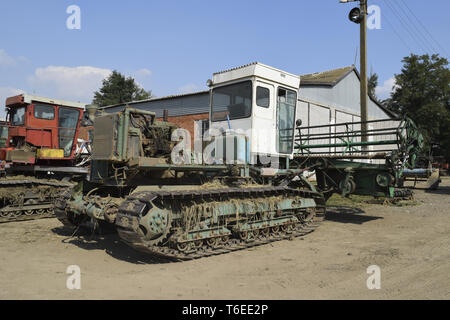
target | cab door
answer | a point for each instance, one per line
(263, 126)
(286, 105)
(67, 124)
(41, 125)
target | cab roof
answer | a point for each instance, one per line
(259, 70)
(28, 98)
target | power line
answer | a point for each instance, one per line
(405, 26)
(426, 30)
(419, 32)
(397, 34)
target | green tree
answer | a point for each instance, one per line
(372, 83)
(422, 93)
(118, 89)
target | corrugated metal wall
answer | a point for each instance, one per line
(344, 96)
(317, 114)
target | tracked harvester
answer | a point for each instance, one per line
(244, 187)
(229, 198)
(39, 155)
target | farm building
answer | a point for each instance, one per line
(324, 97)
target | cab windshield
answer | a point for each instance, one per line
(232, 102)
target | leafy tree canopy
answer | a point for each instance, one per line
(422, 93)
(118, 89)
(372, 84)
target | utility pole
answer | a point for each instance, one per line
(363, 67)
(359, 15)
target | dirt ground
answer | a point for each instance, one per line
(411, 245)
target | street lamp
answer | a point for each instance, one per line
(355, 15)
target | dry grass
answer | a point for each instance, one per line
(361, 201)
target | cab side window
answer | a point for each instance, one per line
(262, 97)
(44, 111)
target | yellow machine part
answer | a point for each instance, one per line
(50, 153)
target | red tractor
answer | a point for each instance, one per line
(41, 150)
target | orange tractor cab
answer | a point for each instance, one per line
(41, 134)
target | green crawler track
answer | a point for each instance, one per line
(192, 224)
(28, 199)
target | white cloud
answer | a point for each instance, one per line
(187, 88)
(6, 92)
(70, 83)
(143, 73)
(8, 61)
(384, 91)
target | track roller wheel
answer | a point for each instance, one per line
(16, 214)
(243, 235)
(265, 232)
(30, 212)
(212, 242)
(198, 244)
(275, 229)
(182, 246)
(225, 239)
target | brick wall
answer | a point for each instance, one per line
(187, 122)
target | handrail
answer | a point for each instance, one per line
(346, 138)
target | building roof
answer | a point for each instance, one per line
(157, 99)
(326, 78)
(331, 78)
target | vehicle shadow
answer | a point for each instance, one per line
(440, 190)
(345, 214)
(110, 243)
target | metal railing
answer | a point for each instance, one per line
(344, 140)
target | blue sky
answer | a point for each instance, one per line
(175, 46)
